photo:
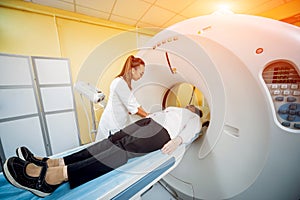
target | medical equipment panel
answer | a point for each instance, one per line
(283, 81)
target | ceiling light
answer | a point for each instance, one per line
(223, 9)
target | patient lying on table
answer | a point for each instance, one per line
(164, 130)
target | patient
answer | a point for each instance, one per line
(164, 130)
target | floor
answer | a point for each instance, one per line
(157, 192)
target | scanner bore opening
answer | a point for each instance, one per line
(183, 94)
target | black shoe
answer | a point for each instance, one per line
(26, 155)
(14, 170)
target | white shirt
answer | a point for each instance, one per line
(115, 116)
(178, 122)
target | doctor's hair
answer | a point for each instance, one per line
(131, 62)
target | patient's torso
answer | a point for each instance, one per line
(173, 119)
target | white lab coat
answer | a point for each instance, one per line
(115, 116)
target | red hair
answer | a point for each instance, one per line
(131, 62)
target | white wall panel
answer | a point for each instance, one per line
(52, 71)
(57, 98)
(17, 102)
(63, 131)
(22, 132)
(14, 70)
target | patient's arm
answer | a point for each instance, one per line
(172, 145)
(189, 131)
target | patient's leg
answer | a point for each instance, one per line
(95, 166)
(153, 137)
(25, 154)
(143, 128)
(88, 152)
(103, 145)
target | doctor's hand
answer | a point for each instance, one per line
(171, 146)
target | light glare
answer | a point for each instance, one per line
(223, 9)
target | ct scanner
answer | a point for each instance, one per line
(247, 67)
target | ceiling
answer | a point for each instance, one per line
(157, 13)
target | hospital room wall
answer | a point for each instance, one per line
(27, 29)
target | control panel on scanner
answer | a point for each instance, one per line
(283, 81)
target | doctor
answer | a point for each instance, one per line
(121, 101)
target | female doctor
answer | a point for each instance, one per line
(121, 101)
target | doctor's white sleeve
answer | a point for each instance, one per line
(127, 97)
(189, 131)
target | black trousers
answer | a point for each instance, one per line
(137, 139)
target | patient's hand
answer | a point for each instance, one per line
(171, 146)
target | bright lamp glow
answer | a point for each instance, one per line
(223, 9)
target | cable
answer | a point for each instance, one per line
(193, 92)
(169, 63)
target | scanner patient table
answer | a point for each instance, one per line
(126, 182)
